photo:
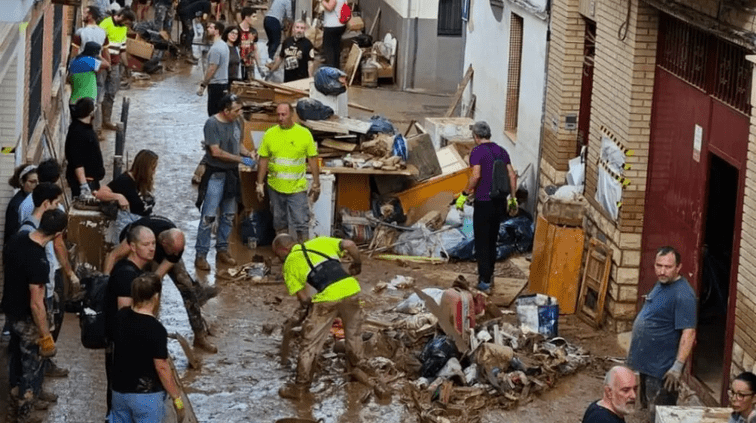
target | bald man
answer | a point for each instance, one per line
(168, 251)
(619, 397)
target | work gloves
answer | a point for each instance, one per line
(46, 346)
(201, 90)
(512, 206)
(85, 192)
(260, 189)
(178, 405)
(248, 161)
(314, 193)
(461, 200)
(355, 268)
(672, 377)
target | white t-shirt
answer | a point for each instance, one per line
(331, 19)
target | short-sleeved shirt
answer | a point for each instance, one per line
(234, 64)
(89, 33)
(484, 155)
(296, 269)
(669, 308)
(280, 9)
(119, 285)
(287, 150)
(139, 203)
(83, 76)
(598, 414)
(139, 341)
(227, 136)
(11, 215)
(157, 224)
(331, 18)
(116, 37)
(24, 264)
(83, 150)
(247, 45)
(295, 54)
(31, 224)
(219, 55)
(189, 9)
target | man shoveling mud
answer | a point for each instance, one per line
(314, 266)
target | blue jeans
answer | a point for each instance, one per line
(137, 408)
(273, 30)
(210, 206)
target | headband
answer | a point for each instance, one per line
(26, 171)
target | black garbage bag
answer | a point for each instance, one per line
(435, 354)
(363, 41)
(515, 236)
(381, 125)
(311, 109)
(327, 81)
(92, 316)
(257, 229)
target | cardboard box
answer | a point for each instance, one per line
(139, 48)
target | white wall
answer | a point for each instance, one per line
(423, 9)
(15, 10)
(487, 49)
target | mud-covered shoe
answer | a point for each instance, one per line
(205, 293)
(201, 342)
(201, 263)
(293, 391)
(484, 287)
(225, 258)
(52, 370)
(47, 396)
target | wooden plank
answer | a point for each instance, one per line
(339, 145)
(352, 63)
(460, 90)
(299, 84)
(595, 281)
(189, 416)
(325, 126)
(355, 125)
(367, 171)
(375, 22)
(422, 155)
(361, 107)
(353, 192)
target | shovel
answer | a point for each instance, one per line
(288, 331)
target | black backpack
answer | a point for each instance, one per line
(500, 188)
(92, 315)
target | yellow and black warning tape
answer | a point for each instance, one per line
(607, 133)
(619, 178)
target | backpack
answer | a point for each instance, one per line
(92, 315)
(345, 13)
(500, 188)
(324, 273)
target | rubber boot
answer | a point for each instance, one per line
(107, 111)
(201, 342)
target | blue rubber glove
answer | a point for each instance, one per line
(460, 203)
(248, 161)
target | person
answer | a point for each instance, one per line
(188, 10)
(116, 27)
(24, 179)
(90, 31)
(663, 333)
(141, 242)
(169, 250)
(273, 24)
(85, 167)
(219, 188)
(333, 29)
(231, 37)
(82, 73)
(164, 15)
(216, 77)
(741, 395)
(142, 375)
(297, 55)
(26, 271)
(337, 294)
(618, 399)
(488, 212)
(250, 56)
(284, 150)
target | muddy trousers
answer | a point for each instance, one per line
(486, 218)
(111, 84)
(26, 370)
(317, 327)
(189, 288)
(652, 393)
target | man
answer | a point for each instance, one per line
(26, 273)
(618, 400)
(46, 196)
(488, 212)
(336, 295)
(82, 73)
(167, 260)
(85, 167)
(216, 77)
(248, 43)
(663, 333)
(284, 150)
(297, 55)
(164, 15)
(141, 243)
(116, 27)
(273, 24)
(187, 11)
(218, 190)
(92, 32)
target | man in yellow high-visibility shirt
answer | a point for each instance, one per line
(314, 266)
(116, 27)
(286, 151)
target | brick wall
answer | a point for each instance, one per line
(8, 109)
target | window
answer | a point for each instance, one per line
(35, 76)
(450, 18)
(513, 76)
(57, 36)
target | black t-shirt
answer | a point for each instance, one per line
(157, 224)
(83, 150)
(295, 55)
(11, 215)
(598, 414)
(138, 203)
(190, 9)
(119, 285)
(24, 264)
(140, 340)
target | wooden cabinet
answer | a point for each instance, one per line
(555, 269)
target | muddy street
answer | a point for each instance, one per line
(240, 383)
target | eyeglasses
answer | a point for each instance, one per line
(739, 395)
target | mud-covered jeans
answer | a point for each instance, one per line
(213, 203)
(111, 85)
(188, 288)
(290, 210)
(163, 17)
(317, 327)
(26, 370)
(652, 393)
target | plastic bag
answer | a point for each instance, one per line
(381, 125)
(400, 146)
(311, 109)
(538, 313)
(257, 229)
(435, 354)
(413, 304)
(515, 236)
(327, 81)
(92, 317)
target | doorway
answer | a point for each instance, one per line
(714, 290)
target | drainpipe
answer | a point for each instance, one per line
(406, 49)
(544, 118)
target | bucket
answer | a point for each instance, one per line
(369, 76)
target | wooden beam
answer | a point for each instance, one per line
(375, 22)
(352, 63)
(460, 89)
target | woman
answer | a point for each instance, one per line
(742, 398)
(141, 374)
(333, 29)
(25, 179)
(85, 167)
(231, 37)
